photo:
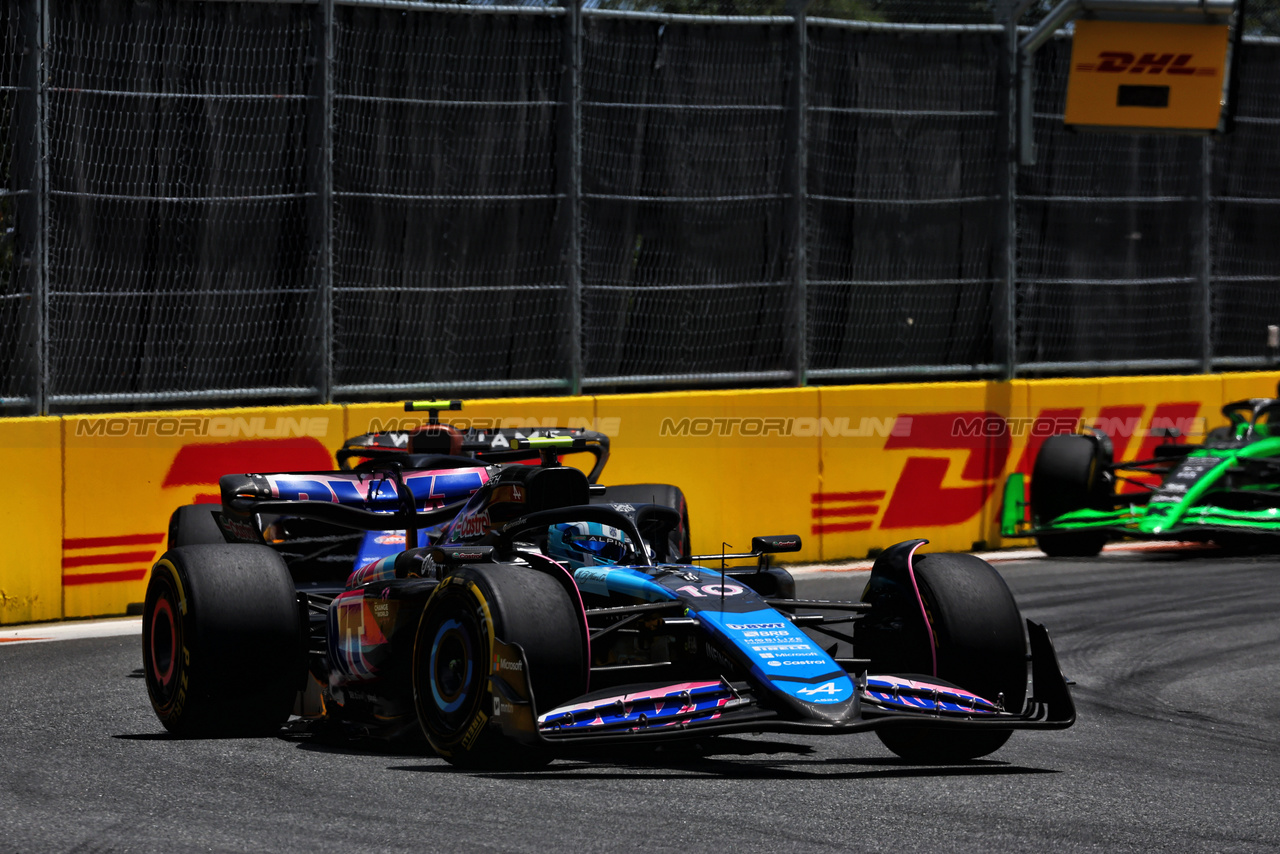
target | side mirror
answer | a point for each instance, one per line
(455, 555)
(760, 546)
(776, 544)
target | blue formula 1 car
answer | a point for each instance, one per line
(536, 622)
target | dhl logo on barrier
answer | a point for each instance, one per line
(920, 496)
(1119, 62)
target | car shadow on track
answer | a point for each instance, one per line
(723, 758)
(347, 747)
(738, 770)
(738, 759)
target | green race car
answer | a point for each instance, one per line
(1225, 490)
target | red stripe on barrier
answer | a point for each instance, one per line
(103, 542)
(855, 510)
(823, 497)
(102, 560)
(104, 577)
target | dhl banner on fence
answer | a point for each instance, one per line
(851, 469)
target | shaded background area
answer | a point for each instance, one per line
(284, 202)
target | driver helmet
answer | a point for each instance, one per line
(579, 544)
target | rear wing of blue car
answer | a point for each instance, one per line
(436, 444)
(386, 502)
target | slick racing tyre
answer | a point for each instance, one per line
(453, 658)
(194, 525)
(222, 643)
(980, 646)
(1069, 475)
(680, 548)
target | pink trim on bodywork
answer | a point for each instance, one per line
(929, 686)
(911, 573)
(653, 694)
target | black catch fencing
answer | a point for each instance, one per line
(226, 202)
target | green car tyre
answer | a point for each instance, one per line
(1070, 474)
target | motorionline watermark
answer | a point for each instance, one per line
(206, 426)
(280, 427)
(964, 425)
(802, 427)
(976, 425)
(608, 426)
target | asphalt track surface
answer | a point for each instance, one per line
(1177, 748)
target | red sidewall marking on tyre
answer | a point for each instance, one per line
(163, 608)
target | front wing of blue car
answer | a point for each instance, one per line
(717, 706)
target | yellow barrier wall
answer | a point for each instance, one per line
(31, 519)
(737, 456)
(851, 469)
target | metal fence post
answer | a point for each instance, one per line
(797, 133)
(30, 160)
(569, 171)
(1205, 271)
(1004, 303)
(320, 131)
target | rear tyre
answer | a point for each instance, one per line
(222, 643)
(194, 525)
(1069, 475)
(980, 647)
(680, 548)
(453, 658)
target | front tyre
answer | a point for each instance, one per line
(979, 644)
(453, 658)
(222, 643)
(1070, 474)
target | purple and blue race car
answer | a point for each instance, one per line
(511, 611)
